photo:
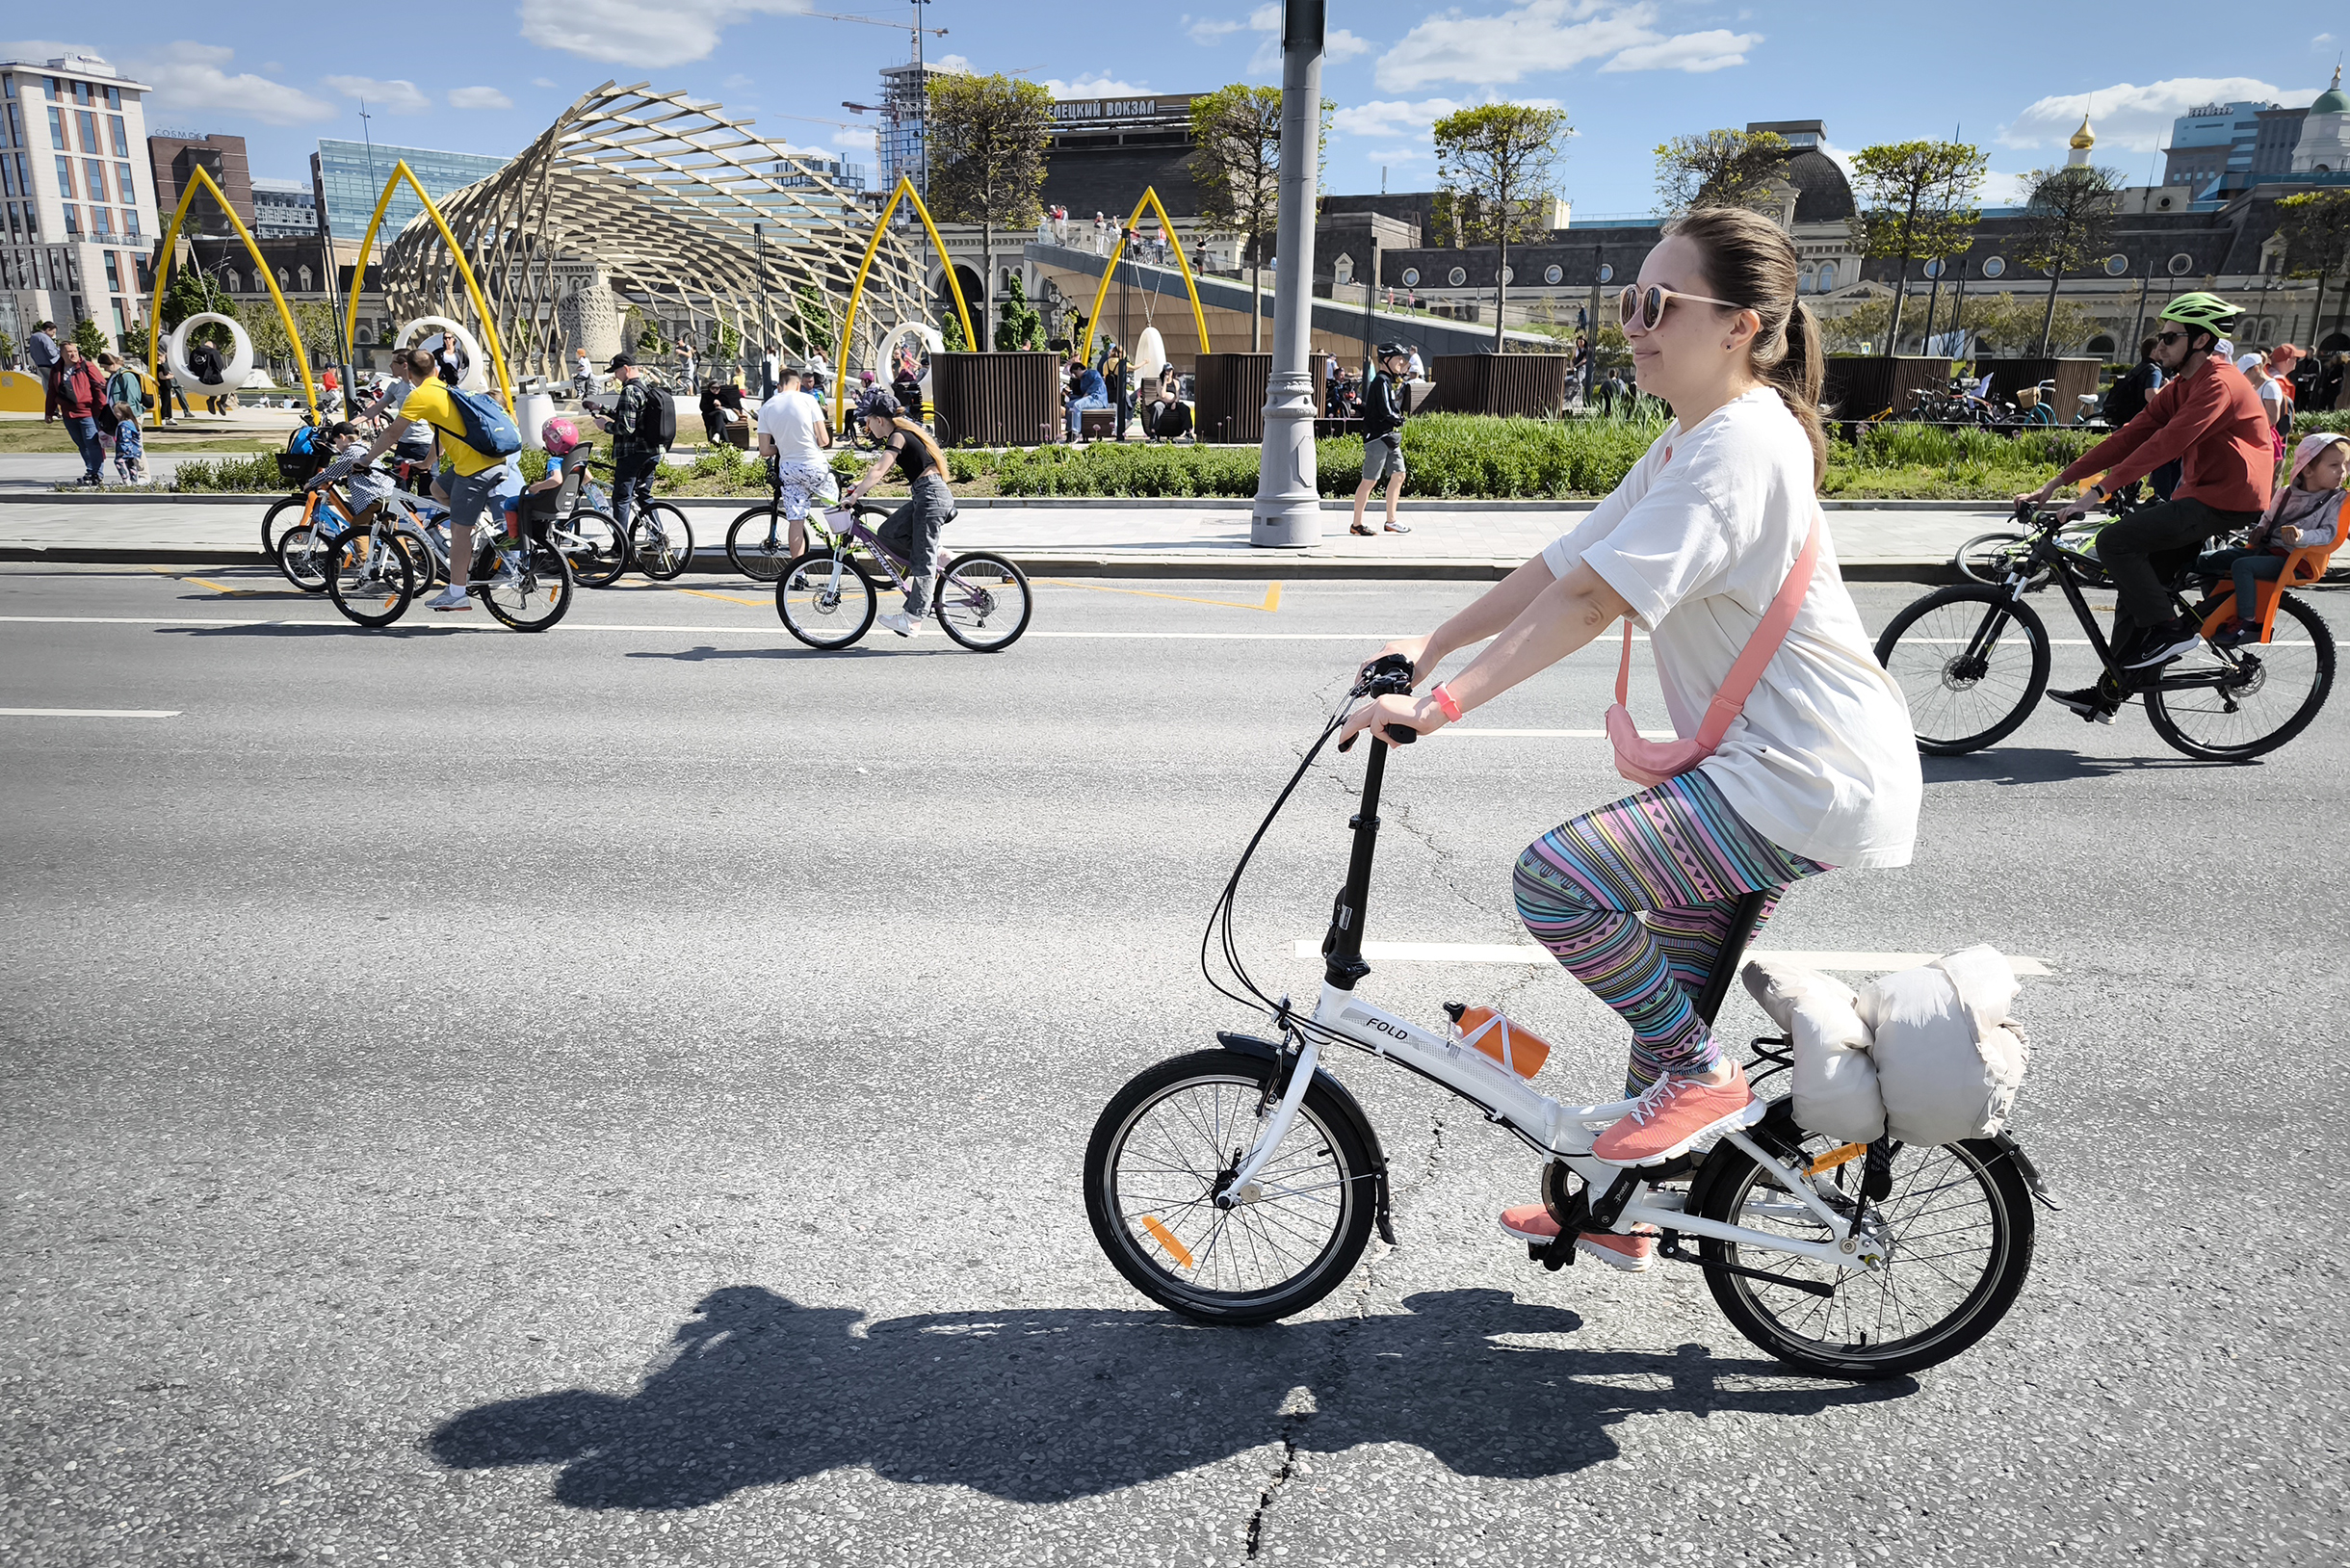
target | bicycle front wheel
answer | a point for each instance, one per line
(825, 600)
(595, 546)
(1169, 1143)
(537, 596)
(758, 543)
(2259, 697)
(1959, 1230)
(369, 576)
(301, 557)
(1971, 660)
(661, 541)
(983, 601)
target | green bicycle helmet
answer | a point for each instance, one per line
(2205, 312)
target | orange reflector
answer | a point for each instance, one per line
(1835, 1158)
(1165, 1238)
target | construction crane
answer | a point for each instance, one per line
(870, 21)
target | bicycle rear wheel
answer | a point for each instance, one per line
(1960, 1229)
(758, 543)
(661, 541)
(1971, 660)
(2269, 694)
(595, 546)
(539, 598)
(983, 601)
(1168, 1143)
(370, 576)
(825, 600)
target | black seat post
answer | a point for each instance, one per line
(1745, 921)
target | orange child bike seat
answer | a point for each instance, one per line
(1515, 1048)
(2304, 566)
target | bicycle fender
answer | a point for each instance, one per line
(1249, 1045)
(2006, 1144)
(1776, 1132)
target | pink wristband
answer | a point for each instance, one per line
(1443, 701)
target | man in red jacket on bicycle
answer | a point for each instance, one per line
(2207, 416)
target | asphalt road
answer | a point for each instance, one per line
(616, 1097)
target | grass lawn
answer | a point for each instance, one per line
(33, 436)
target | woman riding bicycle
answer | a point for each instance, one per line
(912, 531)
(1820, 770)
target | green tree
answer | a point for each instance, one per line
(8, 348)
(134, 343)
(813, 320)
(1916, 201)
(90, 337)
(2315, 228)
(1496, 163)
(1237, 172)
(1018, 326)
(727, 340)
(987, 142)
(1717, 169)
(2065, 226)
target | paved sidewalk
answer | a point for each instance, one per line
(1206, 540)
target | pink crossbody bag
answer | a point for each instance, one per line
(1647, 762)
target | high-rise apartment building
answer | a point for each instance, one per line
(900, 145)
(76, 194)
(174, 156)
(349, 177)
(283, 210)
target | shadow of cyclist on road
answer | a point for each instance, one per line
(1046, 1405)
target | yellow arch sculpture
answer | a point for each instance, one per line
(472, 290)
(170, 255)
(1150, 200)
(905, 192)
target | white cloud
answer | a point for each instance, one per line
(2135, 119)
(1340, 45)
(1390, 117)
(956, 64)
(1693, 52)
(1532, 36)
(1212, 30)
(2323, 41)
(397, 97)
(542, 81)
(1100, 85)
(478, 97)
(670, 34)
(192, 79)
(2000, 190)
(47, 49)
(1265, 21)
(854, 145)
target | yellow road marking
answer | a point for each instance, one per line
(1272, 595)
(727, 598)
(1159, 1233)
(203, 581)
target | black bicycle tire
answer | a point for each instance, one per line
(2023, 615)
(1977, 1316)
(2321, 636)
(762, 514)
(873, 599)
(288, 542)
(1958, 557)
(680, 561)
(1328, 1270)
(621, 562)
(268, 518)
(554, 563)
(1027, 599)
(374, 621)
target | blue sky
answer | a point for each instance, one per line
(1628, 75)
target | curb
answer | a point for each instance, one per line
(1258, 568)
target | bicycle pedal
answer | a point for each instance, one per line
(1552, 1255)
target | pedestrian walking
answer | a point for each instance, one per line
(1384, 410)
(40, 350)
(126, 401)
(76, 392)
(583, 381)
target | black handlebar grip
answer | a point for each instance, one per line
(1398, 737)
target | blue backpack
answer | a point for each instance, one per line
(488, 427)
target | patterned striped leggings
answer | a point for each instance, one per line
(1637, 899)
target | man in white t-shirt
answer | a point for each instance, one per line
(792, 435)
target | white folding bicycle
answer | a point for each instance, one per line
(1240, 1185)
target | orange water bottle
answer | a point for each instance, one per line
(1520, 1050)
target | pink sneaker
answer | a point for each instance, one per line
(1675, 1114)
(1633, 1254)
(1529, 1222)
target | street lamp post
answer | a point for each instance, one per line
(1288, 511)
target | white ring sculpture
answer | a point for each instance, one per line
(477, 363)
(232, 374)
(884, 364)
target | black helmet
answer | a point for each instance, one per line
(1392, 350)
(878, 404)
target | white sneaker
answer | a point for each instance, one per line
(903, 624)
(449, 598)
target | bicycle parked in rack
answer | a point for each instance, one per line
(827, 599)
(1973, 660)
(1240, 1185)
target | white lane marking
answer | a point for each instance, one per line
(1525, 953)
(89, 713)
(1368, 638)
(1559, 734)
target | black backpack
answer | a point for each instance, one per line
(657, 420)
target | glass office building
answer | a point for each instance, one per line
(349, 176)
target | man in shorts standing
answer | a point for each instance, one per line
(1383, 411)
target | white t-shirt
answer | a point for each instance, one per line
(1822, 761)
(791, 419)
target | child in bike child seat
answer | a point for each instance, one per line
(559, 438)
(362, 481)
(2304, 514)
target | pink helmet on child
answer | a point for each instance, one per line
(559, 435)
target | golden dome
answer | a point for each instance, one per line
(2084, 139)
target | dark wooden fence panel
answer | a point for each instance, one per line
(1858, 388)
(1229, 394)
(2074, 377)
(1533, 385)
(996, 400)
